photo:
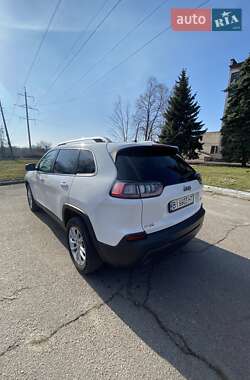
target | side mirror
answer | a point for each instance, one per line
(30, 167)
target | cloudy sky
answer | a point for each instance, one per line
(205, 55)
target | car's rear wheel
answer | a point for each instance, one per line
(31, 202)
(81, 249)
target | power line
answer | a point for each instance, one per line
(140, 23)
(79, 38)
(37, 53)
(84, 43)
(135, 52)
(126, 59)
(42, 41)
(112, 69)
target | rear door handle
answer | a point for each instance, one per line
(64, 185)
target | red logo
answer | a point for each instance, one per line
(191, 19)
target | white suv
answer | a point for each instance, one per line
(119, 202)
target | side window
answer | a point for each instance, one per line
(46, 163)
(86, 163)
(66, 162)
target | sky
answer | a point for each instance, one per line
(72, 107)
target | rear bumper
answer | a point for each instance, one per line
(128, 252)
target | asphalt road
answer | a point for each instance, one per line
(184, 316)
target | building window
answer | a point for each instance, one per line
(214, 149)
(234, 77)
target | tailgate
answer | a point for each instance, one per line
(156, 214)
(160, 164)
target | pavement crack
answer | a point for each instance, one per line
(233, 228)
(129, 284)
(44, 339)
(176, 338)
(148, 282)
(14, 295)
(180, 342)
(10, 348)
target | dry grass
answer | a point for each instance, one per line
(236, 178)
(13, 169)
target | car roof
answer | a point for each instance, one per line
(97, 143)
(83, 141)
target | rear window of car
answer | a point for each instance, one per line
(152, 164)
(86, 163)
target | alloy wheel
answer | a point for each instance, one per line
(77, 246)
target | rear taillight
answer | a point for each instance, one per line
(130, 190)
(151, 189)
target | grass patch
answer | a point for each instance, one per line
(13, 169)
(235, 178)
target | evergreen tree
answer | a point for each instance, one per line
(236, 121)
(181, 126)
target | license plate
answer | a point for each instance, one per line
(179, 203)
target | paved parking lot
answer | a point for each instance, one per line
(184, 316)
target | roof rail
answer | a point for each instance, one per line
(96, 139)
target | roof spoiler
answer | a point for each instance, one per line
(172, 148)
(168, 149)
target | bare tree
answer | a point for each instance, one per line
(121, 121)
(43, 145)
(150, 106)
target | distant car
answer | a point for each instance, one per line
(119, 202)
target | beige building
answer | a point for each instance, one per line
(211, 149)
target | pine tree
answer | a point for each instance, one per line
(181, 126)
(236, 121)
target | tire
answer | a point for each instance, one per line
(81, 248)
(31, 202)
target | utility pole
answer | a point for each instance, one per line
(6, 130)
(27, 108)
(2, 141)
(27, 117)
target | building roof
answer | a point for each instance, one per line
(214, 132)
(234, 64)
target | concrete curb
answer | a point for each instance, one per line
(11, 182)
(228, 192)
